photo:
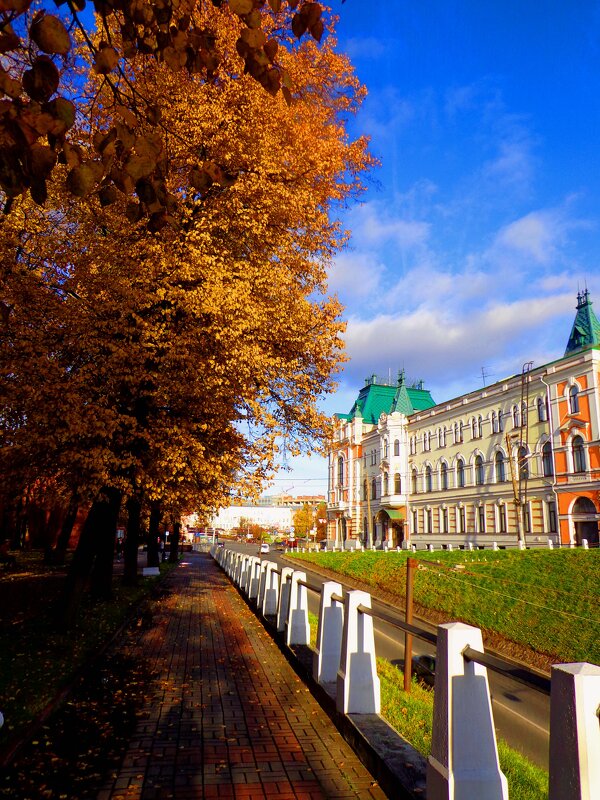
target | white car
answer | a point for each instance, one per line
(264, 548)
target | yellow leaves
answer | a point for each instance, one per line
(9, 85)
(50, 34)
(106, 59)
(83, 178)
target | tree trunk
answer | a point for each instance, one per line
(132, 541)
(58, 553)
(104, 540)
(155, 515)
(174, 555)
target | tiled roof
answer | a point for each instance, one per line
(586, 328)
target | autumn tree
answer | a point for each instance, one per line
(163, 369)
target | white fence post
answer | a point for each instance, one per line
(358, 689)
(271, 592)
(261, 583)
(463, 764)
(326, 659)
(283, 605)
(575, 732)
(245, 566)
(254, 578)
(297, 627)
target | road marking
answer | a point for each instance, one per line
(525, 719)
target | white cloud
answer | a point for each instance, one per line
(356, 276)
(372, 223)
(368, 47)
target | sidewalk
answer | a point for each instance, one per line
(225, 715)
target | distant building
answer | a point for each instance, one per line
(516, 460)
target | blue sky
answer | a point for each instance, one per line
(483, 221)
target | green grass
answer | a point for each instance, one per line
(412, 716)
(545, 600)
(36, 660)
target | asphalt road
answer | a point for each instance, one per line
(521, 714)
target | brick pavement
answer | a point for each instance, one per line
(226, 716)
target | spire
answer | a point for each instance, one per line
(586, 328)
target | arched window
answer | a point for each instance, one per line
(428, 480)
(494, 422)
(500, 421)
(456, 433)
(460, 472)
(542, 409)
(385, 448)
(365, 497)
(385, 483)
(474, 428)
(373, 489)
(340, 471)
(500, 467)
(547, 464)
(396, 447)
(414, 481)
(523, 414)
(516, 417)
(574, 400)
(444, 475)
(523, 463)
(479, 472)
(578, 454)
(397, 483)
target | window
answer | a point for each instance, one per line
(474, 434)
(442, 436)
(385, 448)
(477, 427)
(460, 472)
(385, 483)
(462, 519)
(426, 441)
(500, 467)
(574, 400)
(481, 518)
(443, 476)
(495, 428)
(578, 454)
(542, 409)
(414, 481)
(340, 471)
(479, 471)
(502, 519)
(526, 518)
(547, 464)
(523, 415)
(428, 481)
(516, 417)
(458, 436)
(445, 520)
(373, 489)
(397, 483)
(429, 521)
(365, 497)
(415, 521)
(552, 526)
(500, 421)
(523, 463)
(396, 447)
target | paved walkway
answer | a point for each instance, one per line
(226, 715)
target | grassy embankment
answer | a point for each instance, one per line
(539, 599)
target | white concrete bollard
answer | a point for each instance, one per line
(521, 545)
(463, 764)
(261, 583)
(253, 578)
(494, 545)
(297, 629)
(585, 544)
(449, 547)
(243, 582)
(574, 732)
(238, 568)
(326, 658)
(271, 592)
(550, 544)
(283, 605)
(430, 548)
(413, 547)
(469, 545)
(358, 689)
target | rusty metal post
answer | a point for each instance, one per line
(411, 564)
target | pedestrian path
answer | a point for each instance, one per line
(225, 716)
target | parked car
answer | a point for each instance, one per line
(264, 548)
(423, 668)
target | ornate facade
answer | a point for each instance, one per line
(518, 460)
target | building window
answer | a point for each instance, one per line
(495, 428)
(500, 467)
(443, 476)
(397, 483)
(445, 520)
(516, 416)
(523, 463)
(429, 520)
(574, 400)
(578, 454)
(500, 421)
(427, 441)
(385, 483)
(462, 519)
(415, 521)
(460, 473)
(365, 497)
(479, 471)
(481, 518)
(340, 471)
(552, 520)
(502, 519)
(396, 447)
(428, 481)
(547, 464)
(527, 518)
(414, 481)
(523, 415)
(373, 489)
(385, 448)
(542, 409)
